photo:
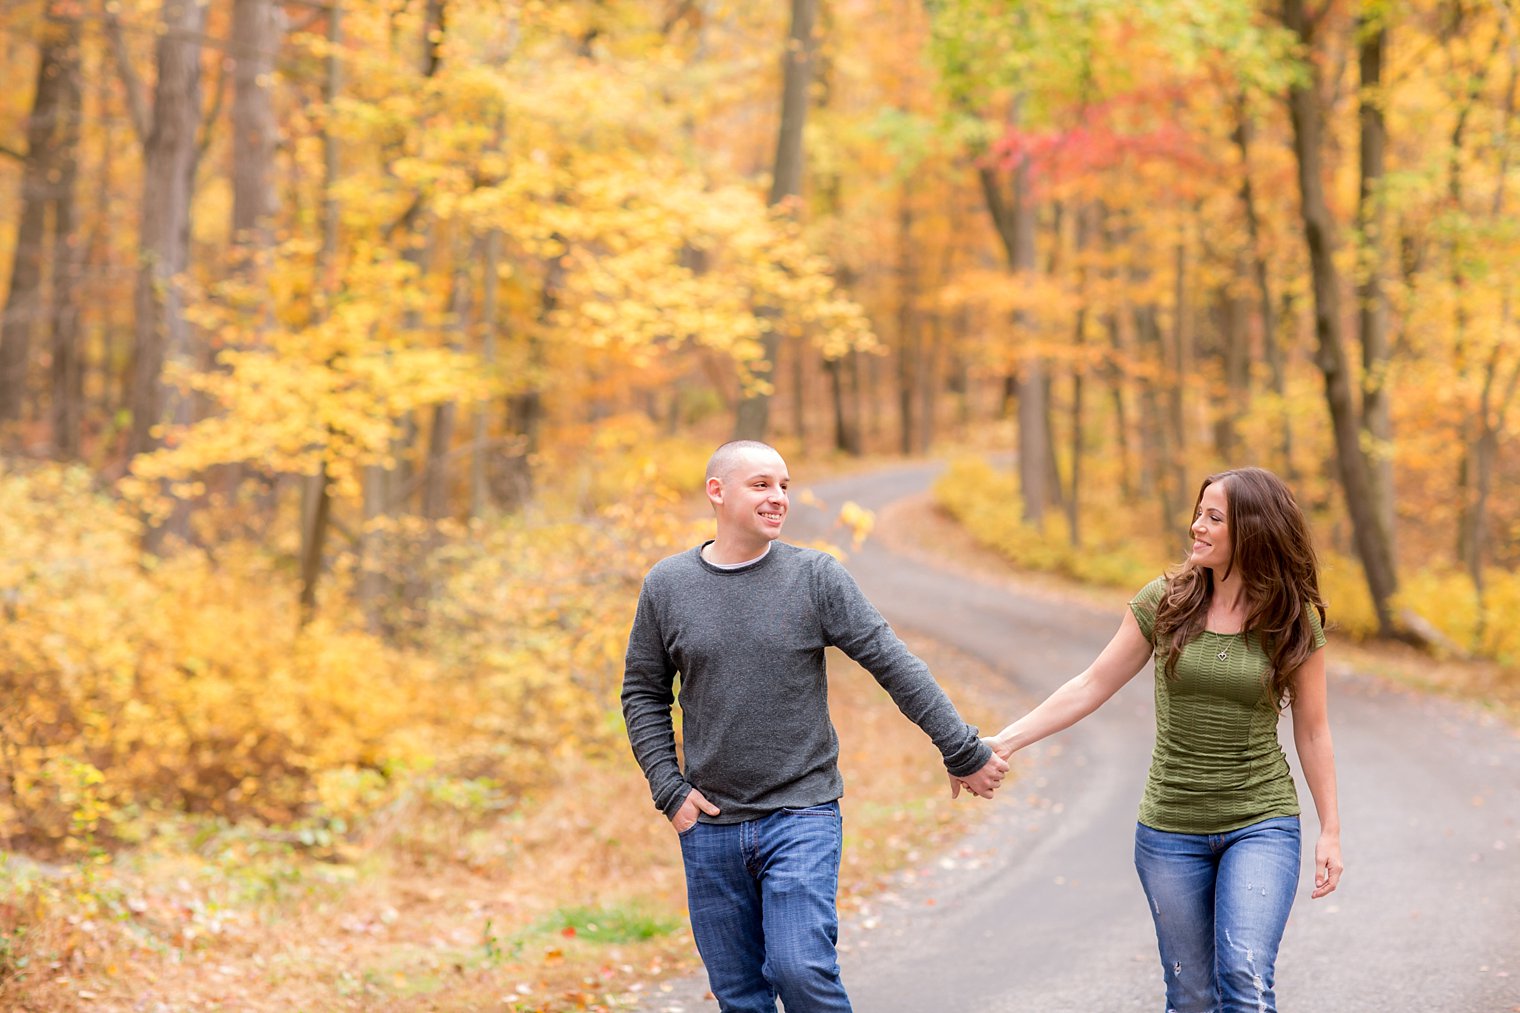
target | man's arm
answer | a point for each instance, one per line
(853, 624)
(648, 695)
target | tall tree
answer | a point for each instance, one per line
(1261, 274)
(255, 132)
(1372, 303)
(47, 185)
(786, 184)
(1372, 541)
(1013, 215)
(316, 490)
(170, 155)
(1500, 376)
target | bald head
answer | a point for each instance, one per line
(729, 456)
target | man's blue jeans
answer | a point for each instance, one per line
(762, 896)
(1220, 902)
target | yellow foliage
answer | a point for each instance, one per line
(134, 685)
(183, 683)
(1348, 603)
(985, 502)
(330, 394)
(858, 520)
(1488, 626)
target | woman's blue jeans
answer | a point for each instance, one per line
(1220, 902)
(762, 896)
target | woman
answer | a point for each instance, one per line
(1237, 633)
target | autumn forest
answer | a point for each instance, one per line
(358, 357)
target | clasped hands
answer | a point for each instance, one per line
(986, 780)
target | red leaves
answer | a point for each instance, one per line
(1119, 134)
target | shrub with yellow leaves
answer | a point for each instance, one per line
(184, 683)
(135, 685)
(985, 502)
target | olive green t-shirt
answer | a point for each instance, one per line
(1217, 765)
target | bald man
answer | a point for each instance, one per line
(744, 620)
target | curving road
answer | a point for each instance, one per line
(1038, 909)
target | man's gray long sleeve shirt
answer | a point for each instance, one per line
(749, 644)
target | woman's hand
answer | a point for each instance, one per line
(1327, 864)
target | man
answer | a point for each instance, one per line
(744, 619)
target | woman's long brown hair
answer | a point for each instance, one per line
(1271, 551)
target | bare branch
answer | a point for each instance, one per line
(12, 153)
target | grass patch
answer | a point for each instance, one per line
(610, 925)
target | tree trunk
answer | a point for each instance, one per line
(1372, 544)
(162, 333)
(316, 518)
(490, 250)
(1497, 396)
(1180, 354)
(316, 495)
(1372, 304)
(1271, 344)
(1155, 432)
(255, 130)
(846, 431)
(1112, 370)
(799, 56)
(48, 176)
(1015, 223)
(800, 393)
(67, 254)
(1470, 429)
(68, 346)
(1115, 377)
(929, 382)
(332, 87)
(1078, 376)
(1493, 409)
(370, 582)
(909, 366)
(1235, 357)
(436, 473)
(525, 410)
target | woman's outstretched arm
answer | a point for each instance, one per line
(1124, 656)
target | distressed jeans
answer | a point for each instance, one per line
(762, 896)
(1220, 902)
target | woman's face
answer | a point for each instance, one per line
(1211, 530)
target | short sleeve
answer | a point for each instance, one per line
(1316, 627)
(1144, 606)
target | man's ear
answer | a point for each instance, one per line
(715, 491)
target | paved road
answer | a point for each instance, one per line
(1038, 910)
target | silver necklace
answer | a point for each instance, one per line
(1224, 653)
